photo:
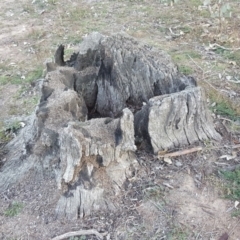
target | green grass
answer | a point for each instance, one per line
(4, 80)
(14, 209)
(184, 56)
(232, 187)
(78, 238)
(234, 56)
(182, 59)
(78, 14)
(5, 135)
(230, 55)
(154, 192)
(185, 69)
(18, 80)
(177, 233)
(225, 109)
(13, 79)
(232, 190)
(35, 74)
(185, 29)
(14, 126)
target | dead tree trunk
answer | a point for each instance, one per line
(174, 120)
(114, 93)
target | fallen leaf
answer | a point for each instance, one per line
(167, 160)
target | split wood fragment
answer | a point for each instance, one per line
(78, 233)
(179, 153)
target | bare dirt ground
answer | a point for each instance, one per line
(182, 200)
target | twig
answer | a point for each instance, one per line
(78, 233)
(167, 185)
(195, 63)
(202, 73)
(210, 85)
(209, 212)
(182, 152)
(226, 119)
(174, 34)
(158, 207)
(224, 48)
(233, 81)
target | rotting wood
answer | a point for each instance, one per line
(114, 95)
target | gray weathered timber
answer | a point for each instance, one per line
(118, 70)
(114, 93)
(96, 157)
(174, 120)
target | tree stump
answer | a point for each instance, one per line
(112, 95)
(174, 120)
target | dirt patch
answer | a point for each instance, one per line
(202, 211)
(160, 202)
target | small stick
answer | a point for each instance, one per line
(202, 73)
(235, 146)
(182, 152)
(228, 49)
(228, 120)
(233, 81)
(174, 34)
(195, 63)
(78, 233)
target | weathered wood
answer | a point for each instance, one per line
(95, 158)
(138, 96)
(174, 120)
(125, 72)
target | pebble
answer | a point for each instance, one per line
(178, 164)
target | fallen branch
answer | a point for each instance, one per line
(179, 153)
(78, 233)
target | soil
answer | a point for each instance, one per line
(182, 200)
